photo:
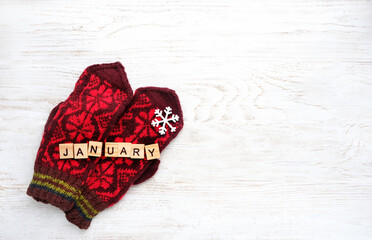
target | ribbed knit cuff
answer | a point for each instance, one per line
(87, 206)
(56, 187)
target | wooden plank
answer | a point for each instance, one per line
(276, 97)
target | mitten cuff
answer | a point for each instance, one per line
(50, 185)
(88, 206)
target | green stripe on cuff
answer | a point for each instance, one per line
(74, 193)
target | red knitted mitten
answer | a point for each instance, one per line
(153, 116)
(89, 113)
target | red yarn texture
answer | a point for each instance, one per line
(112, 177)
(101, 108)
(100, 95)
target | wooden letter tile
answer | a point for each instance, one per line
(81, 150)
(138, 151)
(124, 149)
(152, 151)
(111, 149)
(66, 150)
(95, 149)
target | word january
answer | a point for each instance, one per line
(112, 149)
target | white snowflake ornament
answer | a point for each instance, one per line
(165, 120)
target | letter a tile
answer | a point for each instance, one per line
(81, 150)
(124, 149)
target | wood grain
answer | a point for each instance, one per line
(277, 103)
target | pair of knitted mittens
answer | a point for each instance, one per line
(102, 107)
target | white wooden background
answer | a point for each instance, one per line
(277, 98)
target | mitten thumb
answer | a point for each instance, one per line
(149, 172)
